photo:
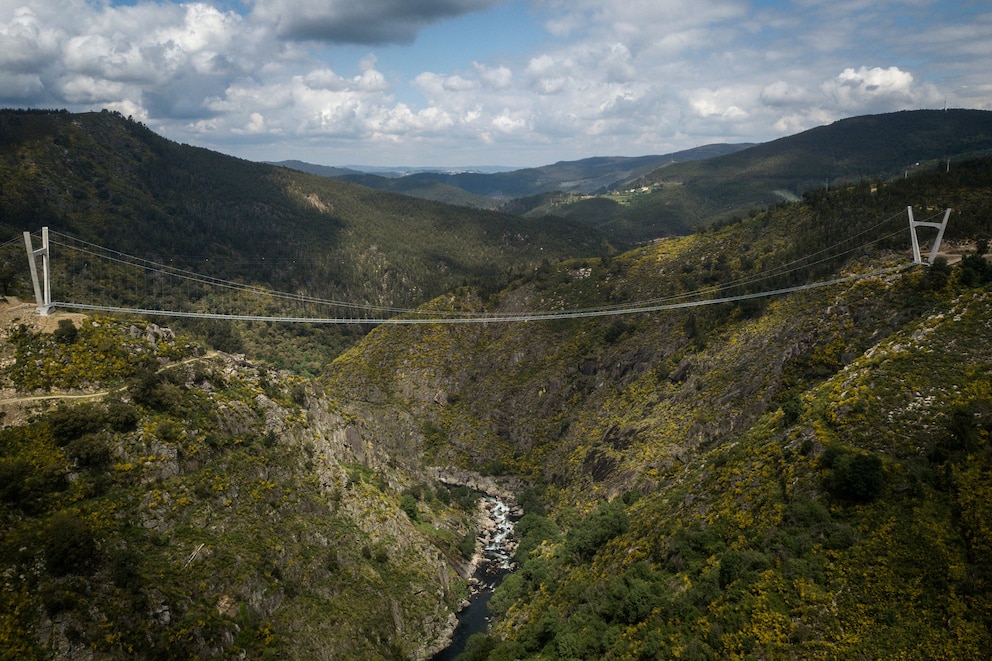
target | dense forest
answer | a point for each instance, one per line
(677, 198)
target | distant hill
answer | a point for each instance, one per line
(684, 195)
(426, 187)
(633, 200)
(320, 170)
(488, 190)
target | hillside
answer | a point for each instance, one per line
(800, 476)
(426, 187)
(423, 189)
(675, 199)
(162, 501)
(103, 179)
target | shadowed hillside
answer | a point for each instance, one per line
(111, 181)
(487, 190)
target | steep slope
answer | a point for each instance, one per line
(771, 477)
(160, 501)
(110, 181)
(877, 147)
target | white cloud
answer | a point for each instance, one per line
(506, 123)
(877, 89)
(498, 78)
(28, 43)
(616, 76)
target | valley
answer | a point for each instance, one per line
(701, 469)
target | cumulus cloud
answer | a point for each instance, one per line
(498, 78)
(28, 42)
(852, 91)
(852, 87)
(366, 22)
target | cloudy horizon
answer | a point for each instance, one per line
(490, 82)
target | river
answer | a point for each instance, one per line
(498, 544)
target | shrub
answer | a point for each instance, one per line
(13, 474)
(531, 530)
(853, 476)
(740, 564)
(121, 417)
(69, 546)
(974, 271)
(409, 505)
(92, 450)
(66, 333)
(27, 486)
(467, 545)
(477, 648)
(937, 275)
(594, 531)
(67, 423)
(150, 389)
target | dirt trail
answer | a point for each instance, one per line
(15, 407)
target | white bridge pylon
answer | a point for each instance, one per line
(42, 290)
(941, 226)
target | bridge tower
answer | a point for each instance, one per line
(941, 226)
(42, 290)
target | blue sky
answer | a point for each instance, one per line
(490, 82)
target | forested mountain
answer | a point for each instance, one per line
(111, 181)
(633, 200)
(428, 186)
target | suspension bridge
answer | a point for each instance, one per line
(81, 265)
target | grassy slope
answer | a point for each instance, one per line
(792, 465)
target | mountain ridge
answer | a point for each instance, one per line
(699, 476)
(104, 179)
(678, 198)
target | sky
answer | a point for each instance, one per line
(516, 83)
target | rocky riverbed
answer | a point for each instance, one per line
(492, 561)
